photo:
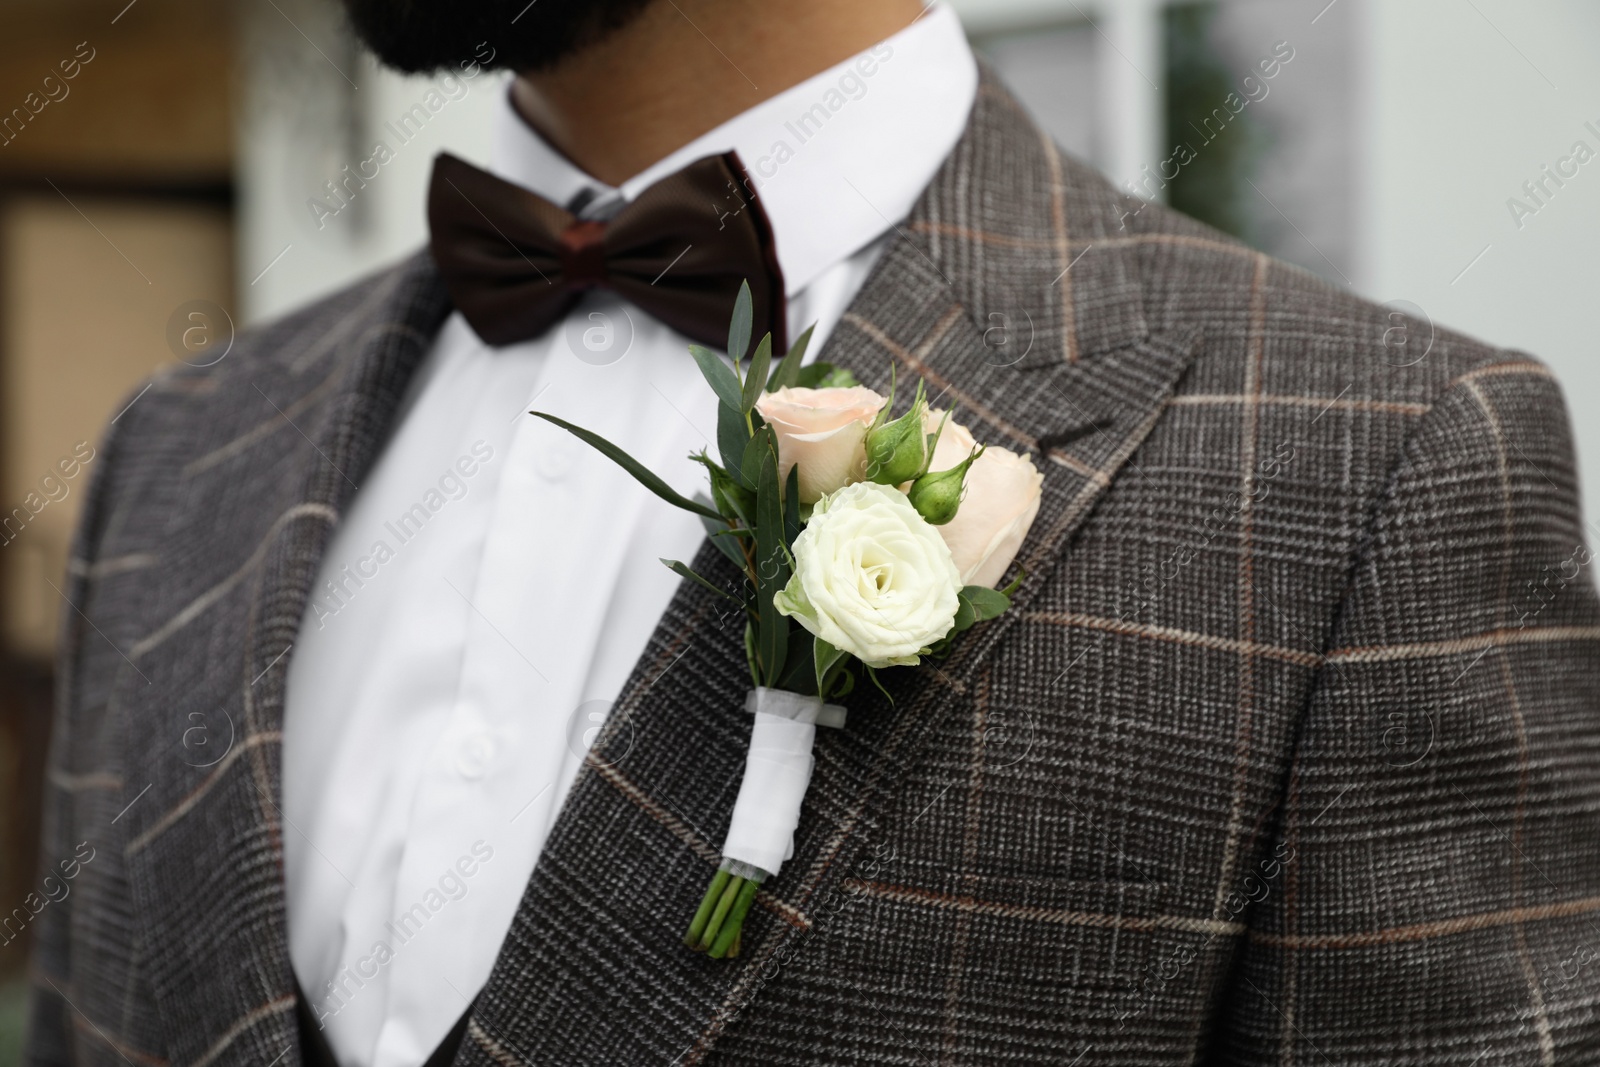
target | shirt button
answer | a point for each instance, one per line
(555, 462)
(474, 756)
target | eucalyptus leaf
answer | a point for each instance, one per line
(706, 502)
(725, 540)
(755, 376)
(754, 453)
(640, 472)
(966, 616)
(772, 569)
(739, 327)
(683, 570)
(791, 507)
(986, 602)
(732, 436)
(787, 372)
(718, 375)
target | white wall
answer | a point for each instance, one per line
(1459, 114)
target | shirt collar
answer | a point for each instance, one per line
(837, 160)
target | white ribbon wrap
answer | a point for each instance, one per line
(777, 771)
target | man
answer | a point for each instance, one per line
(1285, 752)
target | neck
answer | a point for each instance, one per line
(683, 67)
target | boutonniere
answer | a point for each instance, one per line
(865, 542)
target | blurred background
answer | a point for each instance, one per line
(173, 171)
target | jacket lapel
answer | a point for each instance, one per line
(202, 722)
(1007, 290)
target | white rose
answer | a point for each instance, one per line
(1001, 502)
(872, 577)
(824, 431)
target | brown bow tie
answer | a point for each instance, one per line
(515, 263)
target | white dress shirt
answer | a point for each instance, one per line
(494, 580)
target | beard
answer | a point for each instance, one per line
(422, 36)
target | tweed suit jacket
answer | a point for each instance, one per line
(1288, 751)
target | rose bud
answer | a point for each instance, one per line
(897, 451)
(937, 494)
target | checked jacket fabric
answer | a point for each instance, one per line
(1288, 751)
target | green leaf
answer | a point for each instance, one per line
(755, 376)
(787, 372)
(798, 675)
(985, 601)
(772, 568)
(682, 569)
(976, 603)
(728, 496)
(739, 328)
(827, 660)
(725, 540)
(732, 437)
(791, 507)
(640, 472)
(750, 654)
(966, 616)
(710, 502)
(718, 375)
(1016, 583)
(874, 676)
(816, 374)
(754, 453)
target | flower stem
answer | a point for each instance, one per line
(731, 925)
(702, 914)
(725, 903)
